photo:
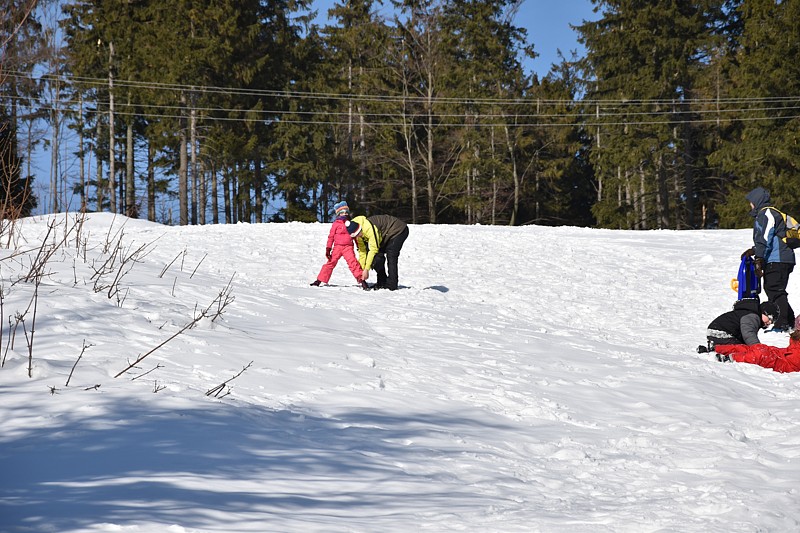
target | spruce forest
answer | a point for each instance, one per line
(225, 111)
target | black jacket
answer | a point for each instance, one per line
(743, 322)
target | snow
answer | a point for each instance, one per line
(526, 379)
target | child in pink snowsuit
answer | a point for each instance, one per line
(340, 244)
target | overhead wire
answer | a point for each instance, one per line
(583, 113)
(103, 82)
(322, 111)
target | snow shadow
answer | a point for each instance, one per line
(440, 288)
(128, 462)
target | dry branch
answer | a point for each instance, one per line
(151, 370)
(164, 270)
(219, 388)
(85, 346)
(220, 302)
(198, 266)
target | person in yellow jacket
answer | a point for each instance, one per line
(379, 240)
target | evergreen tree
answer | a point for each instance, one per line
(302, 151)
(643, 59)
(488, 75)
(22, 46)
(426, 64)
(356, 42)
(16, 200)
(710, 118)
(187, 75)
(104, 41)
(262, 43)
(561, 183)
(761, 146)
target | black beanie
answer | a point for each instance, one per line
(352, 228)
(771, 310)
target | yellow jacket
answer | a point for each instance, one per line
(368, 242)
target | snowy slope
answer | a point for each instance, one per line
(528, 379)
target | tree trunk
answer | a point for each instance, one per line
(54, 147)
(84, 185)
(663, 194)
(214, 200)
(226, 194)
(183, 170)
(514, 174)
(131, 209)
(408, 138)
(99, 189)
(350, 113)
(429, 162)
(257, 186)
(112, 189)
(235, 196)
(203, 192)
(193, 148)
(642, 200)
(151, 182)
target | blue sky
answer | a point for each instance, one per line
(547, 22)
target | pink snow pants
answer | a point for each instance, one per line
(337, 253)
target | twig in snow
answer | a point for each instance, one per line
(151, 370)
(164, 270)
(33, 327)
(85, 346)
(198, 266)
(116, 266)
(221, 301)
(219, 388)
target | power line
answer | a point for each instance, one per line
(582, 113)
(586, 124)
(329, 118)
(366, 97)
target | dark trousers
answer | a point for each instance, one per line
(776, 278)
(714, 341)
(389, 252)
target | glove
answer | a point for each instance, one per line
(748, 253)
(328, 253)
(759, 267)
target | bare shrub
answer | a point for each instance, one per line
(213, 311)
(117, 264)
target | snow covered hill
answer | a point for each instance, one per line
(527, 379)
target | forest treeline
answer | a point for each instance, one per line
(211, 112)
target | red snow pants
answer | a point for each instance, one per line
(778, 359)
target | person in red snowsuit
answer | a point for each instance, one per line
(778, 359)
(340, 244)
